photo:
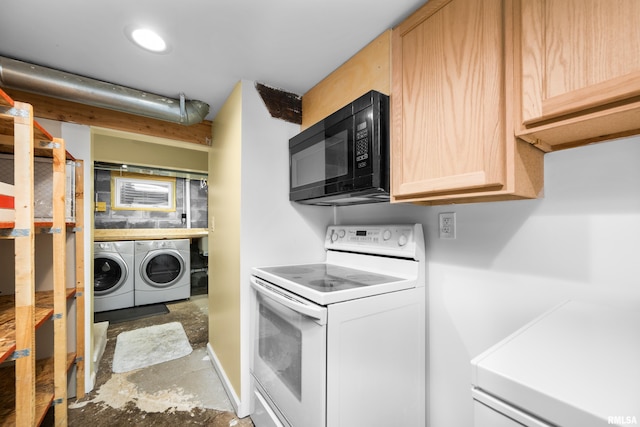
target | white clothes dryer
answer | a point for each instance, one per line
(162, 271)
(113, 277)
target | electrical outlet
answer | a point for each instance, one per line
(447, 225)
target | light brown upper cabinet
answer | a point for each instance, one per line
(452, 131)
(580, 63)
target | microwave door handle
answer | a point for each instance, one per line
(315, 312)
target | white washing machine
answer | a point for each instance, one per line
(162, 271)
(113, 277)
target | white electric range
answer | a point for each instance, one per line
(342, 343)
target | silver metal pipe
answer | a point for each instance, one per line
(59, 84)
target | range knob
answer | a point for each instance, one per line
(341, 233)
(334, 236)
(402, 240)
(386, 235)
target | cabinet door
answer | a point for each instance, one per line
(580, 61)
(448, 111)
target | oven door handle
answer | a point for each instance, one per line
(318, 313)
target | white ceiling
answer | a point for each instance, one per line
(286, 44)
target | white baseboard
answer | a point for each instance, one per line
(99, 332)
(90, 382)
(242, 409)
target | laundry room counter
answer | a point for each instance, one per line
(105, 235)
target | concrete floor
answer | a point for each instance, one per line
(182, 391)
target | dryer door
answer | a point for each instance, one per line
(162, 268)
(109, 273)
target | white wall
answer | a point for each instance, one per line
(513, 260)
(273, 230)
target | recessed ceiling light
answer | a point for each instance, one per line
(149, 40)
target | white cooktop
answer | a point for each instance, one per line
(361, 261)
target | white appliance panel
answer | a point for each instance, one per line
(327, 283)
(369, 300)
(574, 366)
(262, 415)
(113, 277)
(373, 260)
(376, 359)
(484, 416)
(288, 349)
(491, 412)
(162, 271)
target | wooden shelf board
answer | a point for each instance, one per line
(44, 391)
(71, 359)
(39, 224)
(6, 145)
(148, 233)
(5, 100)
(7, 347)
(41, 133)
(49, 224)
(42, 315)
(44, 299)
(71, 292)
(7, 224)
(43, 311)
(7, 327)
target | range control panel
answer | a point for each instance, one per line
(394, 239)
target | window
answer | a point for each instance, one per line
(142, 192)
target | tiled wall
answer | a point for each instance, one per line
(150, 219)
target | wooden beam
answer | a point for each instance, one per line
(65, 111)
(281, 105)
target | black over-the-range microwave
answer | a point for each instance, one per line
(343, 159)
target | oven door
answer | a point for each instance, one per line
(289, 339)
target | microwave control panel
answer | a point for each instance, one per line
(362, 145)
